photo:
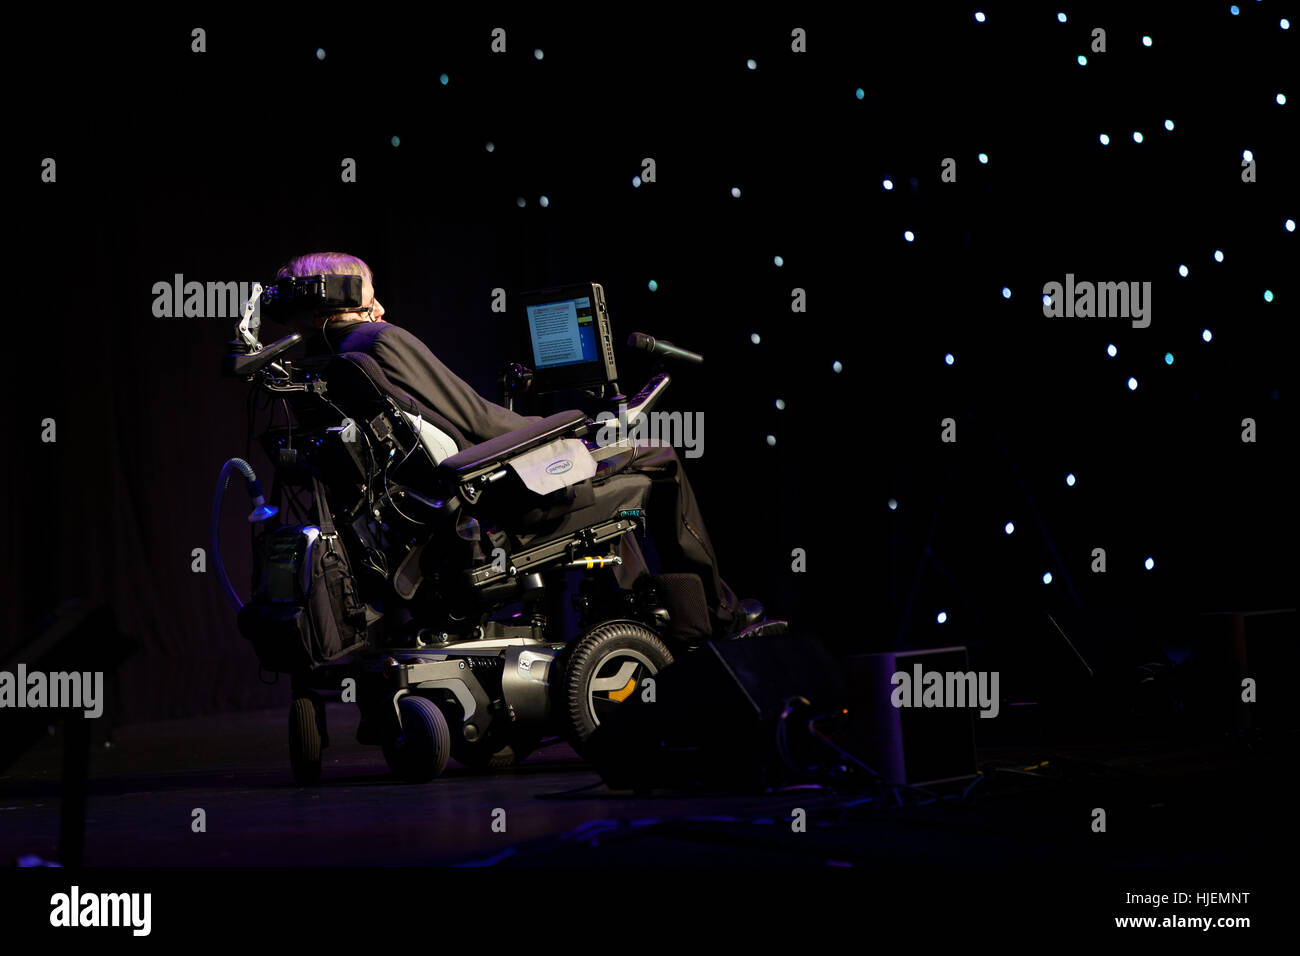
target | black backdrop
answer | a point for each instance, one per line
(220, 165)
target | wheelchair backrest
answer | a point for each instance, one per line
(357, 384)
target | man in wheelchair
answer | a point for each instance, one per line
(436, 511)
(647, 477)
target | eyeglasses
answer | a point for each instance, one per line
(366, 310)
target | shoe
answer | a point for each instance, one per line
(748, 613)
(763, 629)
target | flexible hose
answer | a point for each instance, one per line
(261, 511)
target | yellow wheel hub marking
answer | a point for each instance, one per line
(625, 693)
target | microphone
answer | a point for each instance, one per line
(649, 343)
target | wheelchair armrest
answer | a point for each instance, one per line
(492, 454)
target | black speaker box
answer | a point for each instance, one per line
(713, 721)
(912, 745)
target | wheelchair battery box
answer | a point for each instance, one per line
(305, 611)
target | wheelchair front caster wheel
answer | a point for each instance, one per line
(420, 753)
(605, 667)
(305, 716)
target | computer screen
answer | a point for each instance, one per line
(563, 333)
(568, 337)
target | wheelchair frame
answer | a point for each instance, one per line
(496, 689)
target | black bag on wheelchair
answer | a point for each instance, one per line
(306, 610)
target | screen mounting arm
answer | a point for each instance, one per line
(246, 331)
(515, 380)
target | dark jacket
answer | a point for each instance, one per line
(410, 366)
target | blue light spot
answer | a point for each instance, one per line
(1234, 10)
(537, 54)
(893, 504)
(1047, 301)
(984, 158)
(1281, 99)
(1006, 293)
(545, 201)
(909, 235)
(320, 53)
(636, 181)
(751, 64)
(780, 404)
(1150, 563)
(444, 79)
(1061, 18)
(861, 93)
(1132, 384)
(1137, 137)
(837, 366)
(979, 16)
(1010, 527)
(735, 192)
(653, 285)
(1047, 577)
(771, 440)
(1206, 335)
(1284, 23)
(1146, 41)
(1105, 140)
(1112, 351)
(755, 337)
(396, 141)
(1268, 295)
(1069, 479)
(1289, 225)
(1083, 60)
(888, 184)
(1247, 155)
(948, 359)
(778, 261)
(1169, 125)
(1218, 255)
(1182, 271)
(1169, 358)
(942, 617)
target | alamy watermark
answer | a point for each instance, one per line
(202, 300)
(676, 429)
(922, 688)
(59, 691)
(76, 908)
(1101, 300)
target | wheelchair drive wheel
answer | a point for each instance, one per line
(420, 753)
(605, 667)
(305, 717)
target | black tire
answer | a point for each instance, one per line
(616, 650)
(420, 753)
(305, 740)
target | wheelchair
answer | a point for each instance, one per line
(459, 651)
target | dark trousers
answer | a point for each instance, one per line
(655, 480)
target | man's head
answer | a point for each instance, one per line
(336, 263)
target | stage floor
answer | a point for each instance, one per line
(1214, 804)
